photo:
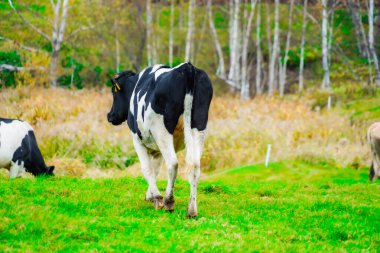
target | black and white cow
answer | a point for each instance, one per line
(19, 151)
(373, 136)
(165, 108)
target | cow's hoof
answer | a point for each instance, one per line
(158, 202)
(169, 205)
(150, 199)
(191, 214)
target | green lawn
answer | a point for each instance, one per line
(286, 207)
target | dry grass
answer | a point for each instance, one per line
(74, 135)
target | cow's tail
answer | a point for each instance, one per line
(187, 114)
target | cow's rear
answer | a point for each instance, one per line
(373, 136)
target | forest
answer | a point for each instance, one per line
(255, 50)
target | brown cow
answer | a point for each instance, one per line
(373, 136)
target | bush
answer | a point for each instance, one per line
(74, 77)
(7, 78)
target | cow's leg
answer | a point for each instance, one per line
(155, 165)
(17, 169)
(165, 143)
(153, 193)
(193, 160)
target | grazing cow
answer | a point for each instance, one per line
(164, 108)
(19, 151)
(373, 136)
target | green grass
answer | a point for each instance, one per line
(292, 206)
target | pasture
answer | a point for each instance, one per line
(289, 206)
(314, 195)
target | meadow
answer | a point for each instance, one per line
(314, 195)
(287, 207)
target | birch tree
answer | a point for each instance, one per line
(233, 75)
(302, 50)
(117, 48)
(171, 33)
(190, 27)
(282, 67)
(361, 38)
(57, 35)
(221, 69)
(149, 32)
(245, 87)
(325, 56)
(274, 53)
(371, 41)
(60, 10)
(258, 50)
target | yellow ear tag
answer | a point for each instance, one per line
(117, 86)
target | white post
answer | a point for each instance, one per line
(268, 155)
(329, 103)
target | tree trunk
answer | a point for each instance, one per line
(57, 38)
(220, 70)
(233, 75)
(354, 6)
(117, 48)
(288, 36)
(190, 28)
(171, 33)
(258, 50)
(149, 32)
(325, 56)
(330, 33)
(274, 53)
(302, 53)
(180, 15)
(245, 89)
(377, 23)
(371, 41)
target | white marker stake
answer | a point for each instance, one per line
(268, 155)
(329, 103)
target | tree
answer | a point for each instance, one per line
(258, 51)
(190, 28)
(361, 39)
(233, 74)
(149, 28)
(60, 11)
(302, 50)
(325, 51)
(171, 33)
(282, 67)
(274, 53)
(245, 87)
(371, 41)
(220, 71)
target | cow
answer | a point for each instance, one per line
(19, 151)
(373, 136)
(166, 110)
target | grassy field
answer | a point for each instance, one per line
(289, 206)
(314, 196)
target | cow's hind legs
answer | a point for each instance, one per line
(193, 157)
(165, 143)
(147, 162)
